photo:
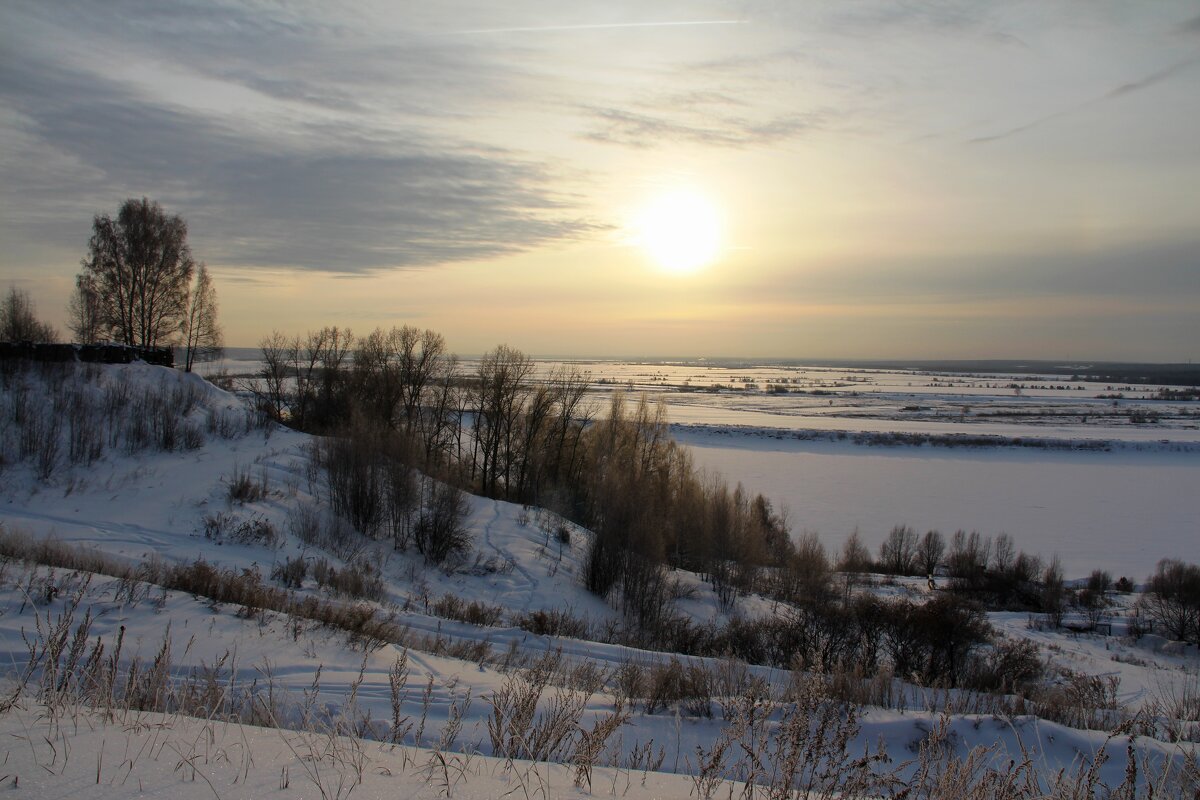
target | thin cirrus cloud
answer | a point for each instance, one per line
(599, 26)
(644, 130)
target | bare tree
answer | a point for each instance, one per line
(1003, 553)
(503, 381)
(854, 557)
(1054, 592)
(84, 311)
(378, 382)
(441, 529)
(1093, 598)
(930, 553)
(898, 553)
(422, 359)
(141, 266)
(273, 391)
(570, 420)
(19, 322)
(202, 335)
(1172, 599)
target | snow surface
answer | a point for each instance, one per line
(153, 506)
(80, 754)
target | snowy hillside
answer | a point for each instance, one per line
(167, 549)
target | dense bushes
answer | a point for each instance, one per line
(354, 467)
(937, 643)
(61, 415)
(650, 508)
(371, 484)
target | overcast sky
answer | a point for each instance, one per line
(888, 179)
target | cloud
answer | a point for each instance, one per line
(1125, 89)
(319, 196)
(1191, 26)
(644, 130)
(599, 26)
(1150, 80)
(1164, 270)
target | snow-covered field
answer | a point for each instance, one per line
(151, 505)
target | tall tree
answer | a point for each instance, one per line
(501, 385)
(202, 335)
(142, 267)
(19, 322)
(84, 311)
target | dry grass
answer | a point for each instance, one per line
(801, 745)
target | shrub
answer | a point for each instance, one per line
(515, 726)
(245, 489)
(931, 642)
(360, 579)
(628, 683)
(304, 522)
(1011, 665)
(1082, 701)
(688, 688)
(353, 463)
(256, 529)
(291, 573)
(475, 612)
(554, 622)
(440, 530)
(330, 533)
(1172, 599)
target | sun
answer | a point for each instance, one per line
(680, 231)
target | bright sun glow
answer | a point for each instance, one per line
(680, 230)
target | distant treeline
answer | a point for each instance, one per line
(88, 353)
(1097, 372)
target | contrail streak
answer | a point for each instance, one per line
(1124, 89)
(600, 26)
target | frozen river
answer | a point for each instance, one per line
(1119, 511)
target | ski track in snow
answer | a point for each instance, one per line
(529, 583)
(102, 534)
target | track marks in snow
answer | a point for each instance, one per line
(522, 578)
